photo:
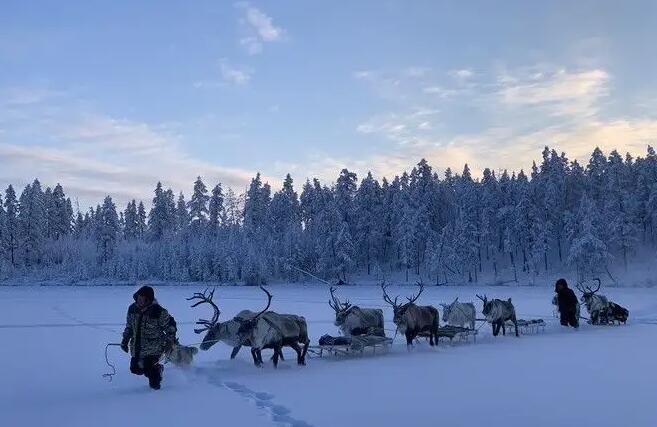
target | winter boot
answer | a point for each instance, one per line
(155, 380)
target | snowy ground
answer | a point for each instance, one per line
(51, 361)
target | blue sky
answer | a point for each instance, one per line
(109, 97)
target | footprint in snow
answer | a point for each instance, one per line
(262, 400)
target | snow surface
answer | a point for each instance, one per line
(51, 361)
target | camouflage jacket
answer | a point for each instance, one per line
(149, 330)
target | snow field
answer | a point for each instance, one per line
(52, 359)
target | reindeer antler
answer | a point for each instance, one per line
(596, 289)
(587, 289)
(386, 298)
(336, 304)
(483, 299)
(205, 298)
(411, 300)
(269, 297)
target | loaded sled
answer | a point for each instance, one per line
(357, 345)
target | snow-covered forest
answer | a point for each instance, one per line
(447, 228)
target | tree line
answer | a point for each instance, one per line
(448, 228)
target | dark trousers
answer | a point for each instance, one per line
(569, 318)
(149, 367)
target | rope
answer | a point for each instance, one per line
(164, 359)
(110, 375)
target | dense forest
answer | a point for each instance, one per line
(447, 228)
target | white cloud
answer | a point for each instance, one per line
(563, 92)
(260, 29)
(439, 91)
(416, 72)
(263, 25)
(509, 117)
(234, 75)
(363, 74)
(462, 74)
(93, 155)
(252, 45)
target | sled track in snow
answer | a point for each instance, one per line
(278, 414)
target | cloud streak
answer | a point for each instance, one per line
(259, 29)
(93, 155)
(522, 110)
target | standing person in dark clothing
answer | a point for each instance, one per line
(567, 303)
(149, 332)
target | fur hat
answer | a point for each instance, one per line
(145, 291)
(560, 283)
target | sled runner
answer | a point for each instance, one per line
(451, 332)
(528, 327)
(348, 346)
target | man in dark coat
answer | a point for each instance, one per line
(567, 303)
(149, 332)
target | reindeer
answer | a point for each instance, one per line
(497, 312)
(273, 330)
(459, 314)
(411, 319)
(601, 310)
(353, 320)
(216, 331)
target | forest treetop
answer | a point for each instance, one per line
(447, 229)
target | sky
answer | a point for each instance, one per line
(111, 97)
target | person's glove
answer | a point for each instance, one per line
(124, 346)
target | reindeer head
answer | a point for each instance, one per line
(447, 308)
(399, 310)
(248, 325)
(587, 293)
(486, 311)
(212, 326)
(341, 309)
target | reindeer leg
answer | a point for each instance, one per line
(295, 347)
(504, 328)
(277, 351)
(409, 340)
(256, 361)
(235, 351)
(280, 356)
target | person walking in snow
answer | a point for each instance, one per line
(149, 332)
(567, 304)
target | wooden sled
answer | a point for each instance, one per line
(359, 346)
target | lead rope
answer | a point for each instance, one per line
(110, 375)
(164, 359)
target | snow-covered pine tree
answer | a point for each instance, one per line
(216, 212)
(345, 191)
(161, 218)
(130, 230)
(11, 223)
(286, 228)
(107, 230)
(588, 253)
(368, 221)
(61, 214)
(31, 223)
(344, 252)
(183, 217)
(141, 221)
(421, 188)
(198, 205)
